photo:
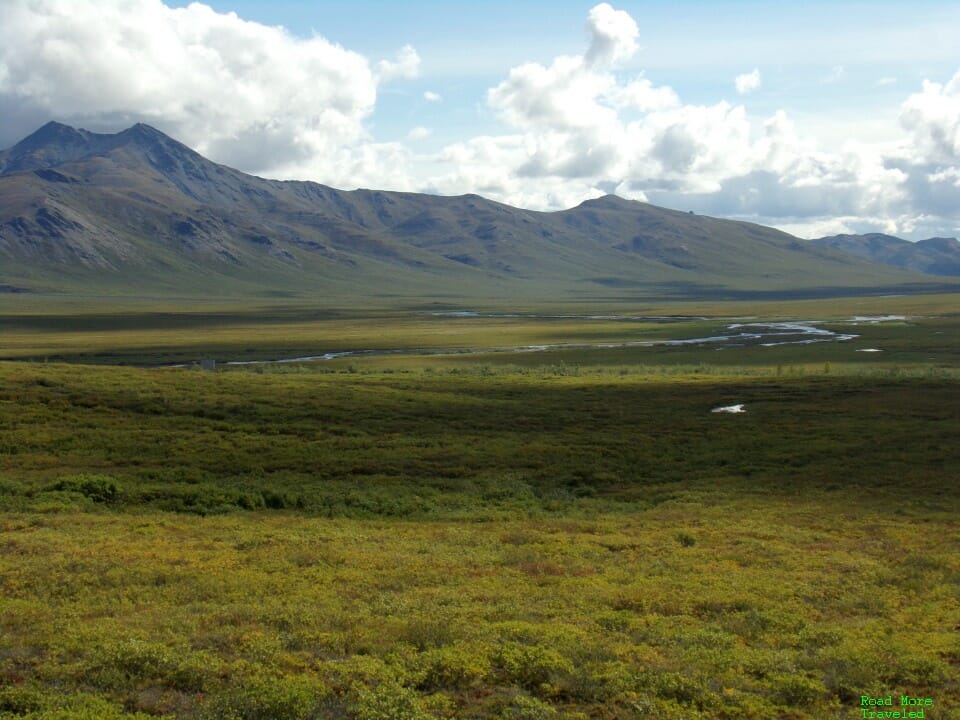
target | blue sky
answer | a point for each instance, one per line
(695, 47)
(816, 117)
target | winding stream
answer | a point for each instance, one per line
(739, 334)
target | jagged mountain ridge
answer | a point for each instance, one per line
(137, 209)
(933, 256)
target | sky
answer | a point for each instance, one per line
(817, 118)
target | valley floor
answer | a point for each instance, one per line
(563, 535)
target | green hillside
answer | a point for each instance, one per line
(138, 213)
(934, 256)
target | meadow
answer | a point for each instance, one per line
(520, 535)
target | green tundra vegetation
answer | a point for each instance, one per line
(569, 533)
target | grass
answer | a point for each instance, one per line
(152, 333)
(562, 535)
(723, 606)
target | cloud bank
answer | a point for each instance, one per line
(580, 127)
(249, 95)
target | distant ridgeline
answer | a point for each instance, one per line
(934, 256)
(137, 212)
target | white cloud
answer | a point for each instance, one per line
(566, 95)
(950, 175)
(836, 74)
(884, 81)
(932, 117)
(929, 157)
(613, 37)
(819, 228)
(407, 65)
(477, 165)
(747, 82)
(640, 94)
(431, 96)
(244, 93)
(582, 123)
(374, 165)
(418, 133)
(579, 128)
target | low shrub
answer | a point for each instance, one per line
(389, 701)
(281, 698)
(452, 667)
(533, 667)
(99, 488)
(524, 707)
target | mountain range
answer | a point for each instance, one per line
(137, 212)
(934, 256)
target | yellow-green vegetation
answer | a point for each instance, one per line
(709, 605)
(166, 332)
(544, 535)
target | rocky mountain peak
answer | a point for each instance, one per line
(51, 145)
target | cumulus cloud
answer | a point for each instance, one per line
(581, 121)
(929, 158)
(431, 96)
(247, 94)
(477, 165)
(950, 175)
(418, 133)
(580, 127)
(932, 117)
(641, 94)
(747, 82)
(407, 65)
(564, 96)
(613, 36)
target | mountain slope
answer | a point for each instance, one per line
(934, 256)
(137, 212)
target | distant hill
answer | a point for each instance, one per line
(934, 256)
(137, 212)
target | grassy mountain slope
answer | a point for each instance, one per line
(934, 256)
(138, 212)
